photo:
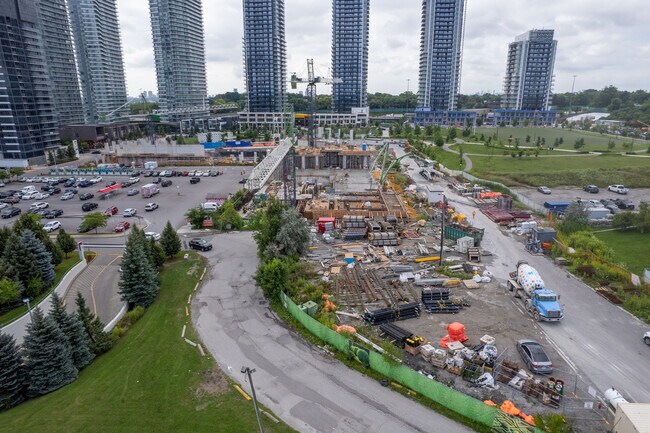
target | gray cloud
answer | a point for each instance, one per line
(602, 42)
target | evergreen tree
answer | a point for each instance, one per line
(48, 356)
(140, 238)
(157, 253)
(12, 373)
(42, 257)
(170, 241)
(5, 232)
(65, 242)
(74, 331)
(21, 260)
(100, 341)
(138, 284)
(32, 222)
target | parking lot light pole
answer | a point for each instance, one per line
(249, 372)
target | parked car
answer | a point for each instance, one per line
(618, 189)
(195, 180)
(200, 244)
(134, 180)
(70, 182)
(11, 200)
(30, 195)
(129, 212)
(54, 213)
(51, 226)
(151, 207)
(67, 196)
(111, 210)
(243, 181)
(154, 235)
(148, 174)
(133, 191)
(122, 226)
(41, 196)
(39, 205)
(535, 357)
(198, 173)
(613, 208)
(646, 338)
(86, 196)
(84, 184)
(72, 190)
(185, 173)
(3, 205)
(111, 183)
(53, 190)
(96, 179)
(624, 203)
(593, 189)
(87, 207)
(166, 182)
(206, 173)
(10, 212)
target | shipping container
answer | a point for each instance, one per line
(456, 232)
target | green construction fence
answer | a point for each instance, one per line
(469, 407)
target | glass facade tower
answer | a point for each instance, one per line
(28, 121)
(62, 68)
(265, 57)
(98, 47)
(529, 74)
(350, 22)
(441, 46)
(179, 51)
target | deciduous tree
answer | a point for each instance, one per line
(93, 220)
(65, 242)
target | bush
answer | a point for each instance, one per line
(273, 277)
(126, 322)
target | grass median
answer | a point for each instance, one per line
(150, 381)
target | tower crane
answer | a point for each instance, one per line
(311, 82)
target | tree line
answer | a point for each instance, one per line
(59, 345)
(28, 258)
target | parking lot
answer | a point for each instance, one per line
(173, 200)
(637, 195)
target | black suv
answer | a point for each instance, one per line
(166, 182)
(87, 207)
(200, 244)
(13, 211)
(195, 180)
(593, 189)
(624, 203)
(54, 213)
(86, 196)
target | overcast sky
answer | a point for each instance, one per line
(603, 42)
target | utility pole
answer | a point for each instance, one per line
(249, 372)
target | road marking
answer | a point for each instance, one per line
(92, 285)
(562, 354)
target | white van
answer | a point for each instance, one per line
(209, 206)
(29, 188)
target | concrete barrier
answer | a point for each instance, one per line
(110, 325)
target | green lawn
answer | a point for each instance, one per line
(151, 381)
(593, 140)
(480, 149)
(60, 270)
(600, 170)
(631, 249)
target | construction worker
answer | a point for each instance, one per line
(473, 214)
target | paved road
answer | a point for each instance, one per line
(602, 340)
(98, 284)
(310, 391)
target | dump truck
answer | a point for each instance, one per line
(539, 301)
(149, 190)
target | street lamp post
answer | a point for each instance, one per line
(249, 372)
(29, 308)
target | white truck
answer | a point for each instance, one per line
(539, 301)
(149, 190)
(150, 165)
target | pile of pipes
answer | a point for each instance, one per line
(437, 301)
(383, 238)
(354, 221)
(354, 233)
(398, 334)
(400, 312)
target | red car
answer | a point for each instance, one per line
(185, 173)
(122, 226)
(111, 210)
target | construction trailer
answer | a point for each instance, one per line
(632, 418)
